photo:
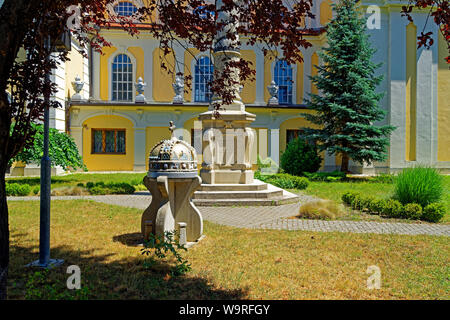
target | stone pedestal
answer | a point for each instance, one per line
(227, 147)
(171, 204)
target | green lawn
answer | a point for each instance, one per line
(335, 190)
(230, 263)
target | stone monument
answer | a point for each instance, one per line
(172, 179)
(227, 138)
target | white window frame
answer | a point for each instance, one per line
(193, 64)
(110, 73)
(294, 79)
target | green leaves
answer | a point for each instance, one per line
(158, 248)
(62, 150)
(348, 107)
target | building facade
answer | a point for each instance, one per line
(115, 132)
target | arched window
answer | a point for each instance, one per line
(282, 76)
(125, 9)
(204, 70)
(122, 78)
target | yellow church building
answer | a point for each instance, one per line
(114, 126)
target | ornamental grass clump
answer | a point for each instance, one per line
(320, 209)
(421, 184)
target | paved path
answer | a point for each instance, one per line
(275, 217)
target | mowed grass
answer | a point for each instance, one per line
(335, 190)
(72, 180)
(230, 263)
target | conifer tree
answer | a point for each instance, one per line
(347, 107)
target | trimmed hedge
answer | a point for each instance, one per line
(17, 189)
(393, 208)
(433, 212)
(101, 188)
(325, 176)
(284, 180)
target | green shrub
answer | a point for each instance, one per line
(120, 188)
(36, 190)
(81, 185)
(98, 191)
(286, 181)
(325, 176)
(357, 202)
(348, 197)
(366, 202)
(377, 206)
(393, 209)
(101, 188)
(433, 212)
(383, 178)
(300, 157)
(422, 185)
(17, 189)
(412, 211)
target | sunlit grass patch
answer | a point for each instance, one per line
(230, 263)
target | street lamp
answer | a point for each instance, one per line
(63, 43)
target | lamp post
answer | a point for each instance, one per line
(64, 43)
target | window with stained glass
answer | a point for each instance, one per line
(111, 141)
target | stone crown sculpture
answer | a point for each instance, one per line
(172, 180)
(172, 158)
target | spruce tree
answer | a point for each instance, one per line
(347, 106)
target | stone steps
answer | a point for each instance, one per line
(256, 194)
(260, 194)
(256, 186)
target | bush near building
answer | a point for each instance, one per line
(300, 157)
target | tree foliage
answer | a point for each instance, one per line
(439, 10)
(300, 157)
(63, 151)
(347, 107)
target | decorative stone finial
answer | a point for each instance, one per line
(140, 88)
(77, 86)
(273, 91)
(172, 128)
(178, 87)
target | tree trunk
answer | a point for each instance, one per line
(4, 234)
(344, 163)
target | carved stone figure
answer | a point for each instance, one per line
(273, 91)
(178, 87)
(140, 88)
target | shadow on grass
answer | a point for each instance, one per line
(104, 278)
(130, 239)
